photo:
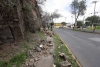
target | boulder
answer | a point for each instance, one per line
(65, 64)
(63, 56)
(38, 49)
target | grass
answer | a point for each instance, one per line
(17, 60)
(97, 27)
(63, 49)
(41, 35)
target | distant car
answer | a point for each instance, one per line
(60, 27)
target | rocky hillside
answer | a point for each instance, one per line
(17, 17)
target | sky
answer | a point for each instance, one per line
(63, 7)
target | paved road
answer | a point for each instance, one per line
(85, 46)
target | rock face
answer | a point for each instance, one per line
(16, 17)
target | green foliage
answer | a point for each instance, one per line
(51, 24)
(55, 14)
(3, 63)
(16, 60)
(74, 6)
(63, 49)
(79, 23)
(78, 8)
(97, 27)
(63, 23)
(87, 23)
(41, 35)
(19, 58)
(93, 20)
(27, 7)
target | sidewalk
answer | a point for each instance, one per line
(47, 61)
(42, 55)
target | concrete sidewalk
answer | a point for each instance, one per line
(47, 61)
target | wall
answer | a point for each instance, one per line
(21, 16)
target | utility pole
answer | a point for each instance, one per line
(72, 19)
(95, 2)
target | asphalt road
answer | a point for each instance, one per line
(85, 46)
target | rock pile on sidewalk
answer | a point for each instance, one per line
(64, 63)
(42, 54)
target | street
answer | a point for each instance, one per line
(85, 46)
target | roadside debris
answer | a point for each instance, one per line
(54, 65)
(43, 50)
(65, 64)
(63, 56)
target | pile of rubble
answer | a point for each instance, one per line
(43, 54)
(42, 50)
(64, 63)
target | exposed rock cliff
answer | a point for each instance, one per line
(16, 17)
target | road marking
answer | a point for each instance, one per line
(95, 39)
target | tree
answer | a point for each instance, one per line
(79, 23)
(54, 15)
(93, 20)
(51, 25)
(63, 23)
(90, 20)
(78, 8)
(87, 23)
(46, 18)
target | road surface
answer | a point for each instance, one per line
(85, 46)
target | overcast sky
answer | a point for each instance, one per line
(63, 7)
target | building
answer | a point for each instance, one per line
(57, 25)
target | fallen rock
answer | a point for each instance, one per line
(42, 41)
(63, 56)
(36, 59)
(54, 56)
(31, 60)
(48, 33)
(38, 49)
(49, 42)
(31, 64)
(45, 47)
(50, 45)
(65, 64)
(54, 65)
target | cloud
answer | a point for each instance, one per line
(63, 7)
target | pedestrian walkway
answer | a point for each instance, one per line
(47, 60)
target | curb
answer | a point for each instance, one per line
(86, 31)
(79, 64)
